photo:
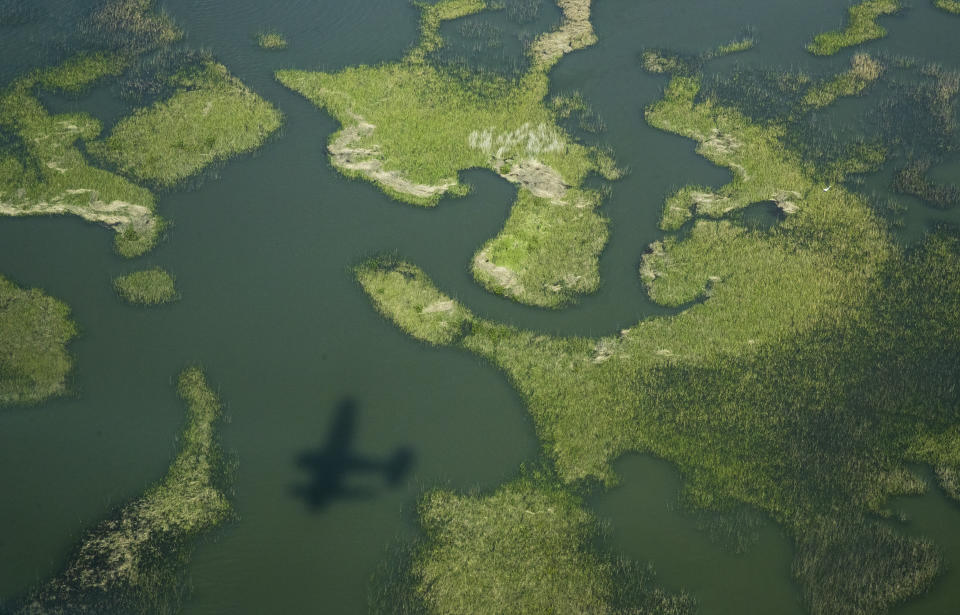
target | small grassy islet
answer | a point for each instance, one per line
(861, 27)
(149, 287)
(34, 332)
(135, 561)
(271, 41)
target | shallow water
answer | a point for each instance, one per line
(262, 250)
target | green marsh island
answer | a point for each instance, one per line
(511, 306)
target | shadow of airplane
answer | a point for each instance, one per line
(329, 465)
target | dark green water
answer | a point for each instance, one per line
(262, 252)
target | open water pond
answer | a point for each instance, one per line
(262, 249)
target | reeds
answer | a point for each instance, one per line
(411, 128)
(528, 547)
(148, 287)
(951, 6)
(34, 332)
(211, 117)
(861, 27)
(130, 27)
(912, 179)
(135, 561)
(271, 40)
(864, 71)
(45, 173)
(812, 363)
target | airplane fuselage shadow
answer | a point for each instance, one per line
(329, 466)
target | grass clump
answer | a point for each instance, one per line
(135, 561)
(735, 46)
(528, 547)
(814, 363)
(78, 73)
(34, 332)
(410, 128)
(864, 71)
(43, 172)
(913, 179)
(411, 299)
(211, 117)
(951, 6)
(861, 27)
(130, 27)
(271, 41)
(149, 287)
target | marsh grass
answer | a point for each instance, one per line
(914, 179)
(34, 332)
(80, 72)
(271, 40)
(129, 27)
(863, 72)
(135, 561)
(152, 77)
(148, 287)
(912, 117)
(861, 27)
(816, 366)
(44, 173)
(951, 6)
(411, 128)
(574, 105)
(528, 547)
(211, 117)
(746, 43)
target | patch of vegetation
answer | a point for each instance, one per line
(406, 294)
(865, 71)
(815, 363)
(528, 547)
(271, 41)
(410, 128)
(920, 115)
(951, 6)
(152, 78)
(913, 179)
(78, 73)
(135, 561)
(45, 173)
(861, 27)
(34, 332)
(149, 287)
(735, 46)
(520, 11)
(129, 27)
(575, 105)
(211, 117)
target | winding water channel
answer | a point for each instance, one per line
(262, 251)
